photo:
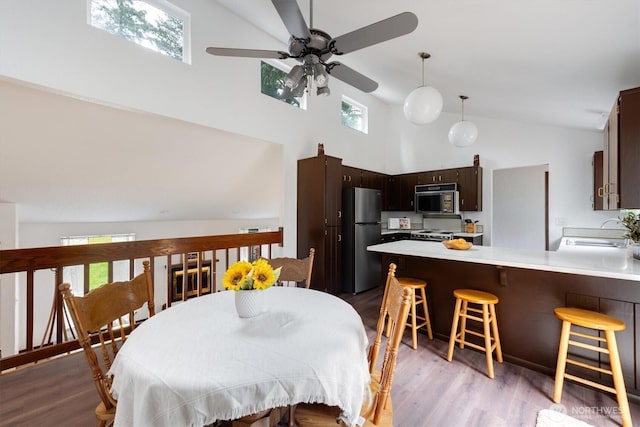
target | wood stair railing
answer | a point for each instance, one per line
(28, 264)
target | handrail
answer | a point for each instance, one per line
(26, 262)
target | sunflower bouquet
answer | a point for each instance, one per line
(244, 275)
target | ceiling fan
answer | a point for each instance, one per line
(313, 48)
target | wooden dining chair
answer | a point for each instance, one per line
(97, 317)
(396, 302)
(294, 270)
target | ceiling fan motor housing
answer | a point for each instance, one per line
(317, 45)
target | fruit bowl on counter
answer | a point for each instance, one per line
(458, 244)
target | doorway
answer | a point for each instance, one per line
(520, 208)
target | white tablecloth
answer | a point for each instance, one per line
(198, 361)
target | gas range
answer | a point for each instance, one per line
(432, 235)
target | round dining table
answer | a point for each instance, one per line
(198, 361)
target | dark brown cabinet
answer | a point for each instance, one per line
(372, 179)
(470, 187)
(356, 177)
(618, 187)
(351, 177)
(441, 176)
(401, 190)
(319, 219)
(598, 179)
(629, 148)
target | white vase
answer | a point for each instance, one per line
(249, 303)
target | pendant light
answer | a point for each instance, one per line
(463, 133)
(424, 104)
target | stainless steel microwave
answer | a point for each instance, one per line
(437, 198)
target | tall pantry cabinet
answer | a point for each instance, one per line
(319, 223)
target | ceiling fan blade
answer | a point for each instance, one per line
(351, 77)
(381, 31)
(292, 17)
(247, 53)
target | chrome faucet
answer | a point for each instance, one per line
(617, 220)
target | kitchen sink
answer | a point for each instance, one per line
(598, 243)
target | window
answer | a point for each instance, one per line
(354, 115)
(272, 84)
(154, 24)
(98, 272)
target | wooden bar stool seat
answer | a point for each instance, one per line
(487, 303)
(597, 322)
(417, 285)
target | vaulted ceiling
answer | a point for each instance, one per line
(546, 61)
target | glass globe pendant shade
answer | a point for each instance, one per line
(463, 133)
(423, 105)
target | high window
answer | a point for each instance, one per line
(154, 24)
(354, 115)
(98, 272)
(272, 84)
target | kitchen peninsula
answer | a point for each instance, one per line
(529, 284)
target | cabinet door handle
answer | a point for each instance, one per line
(339, 214)
(600, 191)
(339, 237)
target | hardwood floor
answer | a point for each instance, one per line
(427, 390)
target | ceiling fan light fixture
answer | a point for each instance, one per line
(323, 91)
(424, 104)
(294, 77)
(463, 133)
(320, 75)
(298, 90)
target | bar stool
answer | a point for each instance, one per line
(488, 302)
(416, 285)
(598, 322)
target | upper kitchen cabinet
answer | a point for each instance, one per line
(319, 219)
(619, 187)
(606, 191)
(470, 188)
(400, 192)
(442, 176)
(372, 179)
(598, 180)
(351, 177)
(356, 177)
(629, 148)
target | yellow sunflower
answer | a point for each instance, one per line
(236, 275)
(263, 274)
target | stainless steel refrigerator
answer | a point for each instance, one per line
(361, 210)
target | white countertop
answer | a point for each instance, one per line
(602, 262)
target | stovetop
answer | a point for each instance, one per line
(432, 235)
